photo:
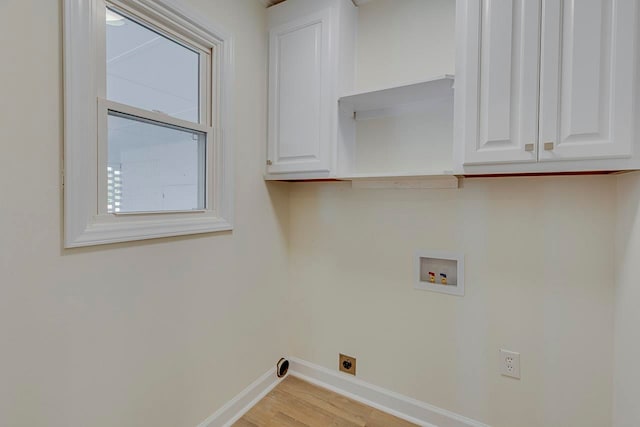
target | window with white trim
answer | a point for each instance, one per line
(147, 142)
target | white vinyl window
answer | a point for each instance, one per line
(147, 146)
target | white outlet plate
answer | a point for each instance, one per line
(510, 363)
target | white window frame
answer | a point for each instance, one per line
(86, 221)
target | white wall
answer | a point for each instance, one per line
(539, 280)
(156, 333)
(626, 410)
(539, 271)
(404, 41)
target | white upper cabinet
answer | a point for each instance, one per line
(587, 64)
(502, 119)
(304, 48)
(540, 86)
(546, 85)
(299, 122)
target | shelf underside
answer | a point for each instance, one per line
(398, 100)
(403, 181)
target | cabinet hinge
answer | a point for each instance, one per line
(269, 162)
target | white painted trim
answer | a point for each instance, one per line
(233, 410)
(84, 225)
(160, 118)
(388, 401)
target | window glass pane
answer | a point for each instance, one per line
(154, 167)
(148, 70)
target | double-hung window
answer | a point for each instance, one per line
(147, 144)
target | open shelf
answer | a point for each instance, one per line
(393, 101)
(398, 137)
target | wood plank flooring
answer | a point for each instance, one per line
(296, 403)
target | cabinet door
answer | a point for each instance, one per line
(501, 62)
(587, 79)
(299, 96)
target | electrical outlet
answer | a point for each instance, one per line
(510, 363)
(347, 364)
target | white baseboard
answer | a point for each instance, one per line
(388, 401)
(233, 410)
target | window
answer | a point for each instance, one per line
(147, 143)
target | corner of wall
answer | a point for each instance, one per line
(626, 373)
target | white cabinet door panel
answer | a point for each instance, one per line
(587, 78)
(299, 115)
(504, 105)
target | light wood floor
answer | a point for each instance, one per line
(296, 403)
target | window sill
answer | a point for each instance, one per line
(101, 231)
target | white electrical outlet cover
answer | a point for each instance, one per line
(510, 363)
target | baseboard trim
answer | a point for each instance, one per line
(388, 401)
(404, 407)
(233, 410)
